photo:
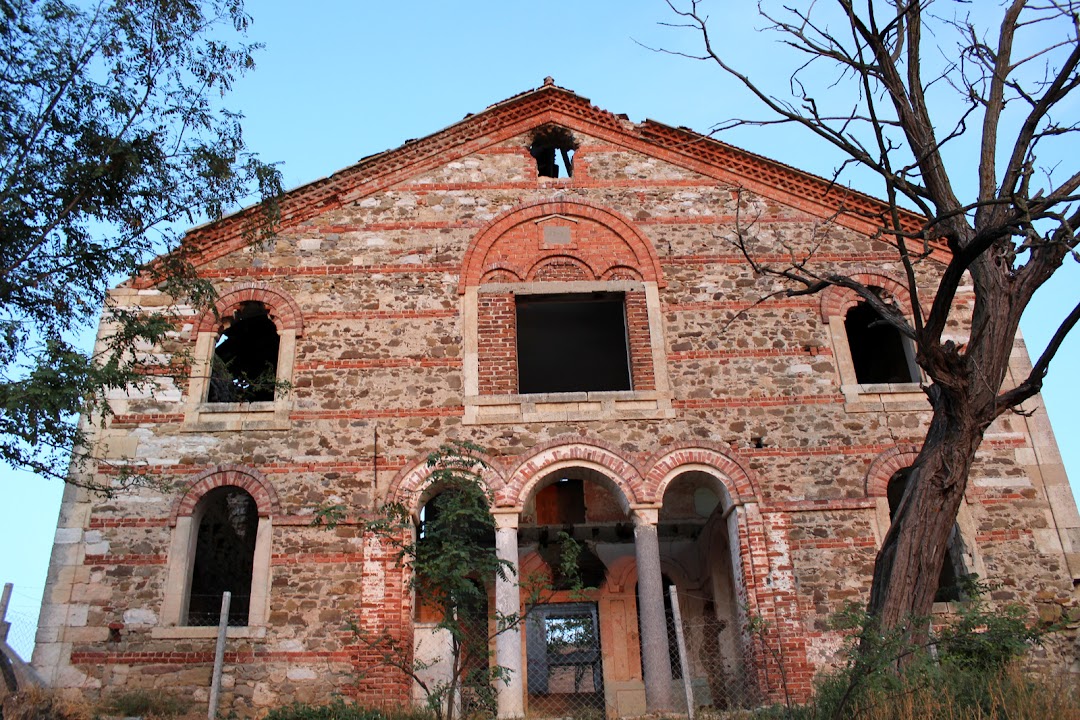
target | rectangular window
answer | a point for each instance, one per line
(572, 343)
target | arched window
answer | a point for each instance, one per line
(874, 360)
(245, 362)
(878, 350)
(242, 363)
(222, 533)
(228, 522)
(453, 537)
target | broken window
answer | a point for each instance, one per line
(553, 149)
(244, 366)
(224, 556)
(953, 572)
(572, 343)
(878, 350)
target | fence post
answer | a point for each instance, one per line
(219, 655)
(5, 626)
(680, 640)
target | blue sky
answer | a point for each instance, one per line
(341, 80)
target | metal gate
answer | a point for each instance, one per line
(565, 667)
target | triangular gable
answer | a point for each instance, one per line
(551, 104)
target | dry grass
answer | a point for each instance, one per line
(1013, 695)
(41, 704)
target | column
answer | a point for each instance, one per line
(511, 698)
(655, 663)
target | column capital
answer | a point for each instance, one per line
(506, 517)
(645, 514)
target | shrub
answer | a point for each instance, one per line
(971, 668)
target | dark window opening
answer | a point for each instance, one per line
(244, 366)
(952, 575)
(878, 350)
(553, 149)
(224, 554)
(572, 343)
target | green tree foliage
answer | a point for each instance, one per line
(452, 560)
(111, 132)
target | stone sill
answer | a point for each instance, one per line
(207, 631)
(884, 397)
(218, 417)
(950, 608)
(568, 407)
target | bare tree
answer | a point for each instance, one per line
(894, 61)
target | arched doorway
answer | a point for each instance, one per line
(453, 582)
(574, 527)
(699, 551)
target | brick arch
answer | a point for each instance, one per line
(474, 265)
(409, 483)
(571, 451)
(837, 300)
(500, 274)
(548, 268)
(885, 465)
(249, 479)
(665, 467)
(620, 272)
(283, 309)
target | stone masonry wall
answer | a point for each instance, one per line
(379, 381)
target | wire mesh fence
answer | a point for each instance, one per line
(23, 625)
(719, 672)
(566, 666)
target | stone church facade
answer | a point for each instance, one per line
(558, 285)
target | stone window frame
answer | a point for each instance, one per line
(654, 403)
(880, 472)
(640, 283)
(200, 415)
(184, 521)
(867, 397)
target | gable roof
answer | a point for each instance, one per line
(551, 104)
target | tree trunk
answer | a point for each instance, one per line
(909, 564)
